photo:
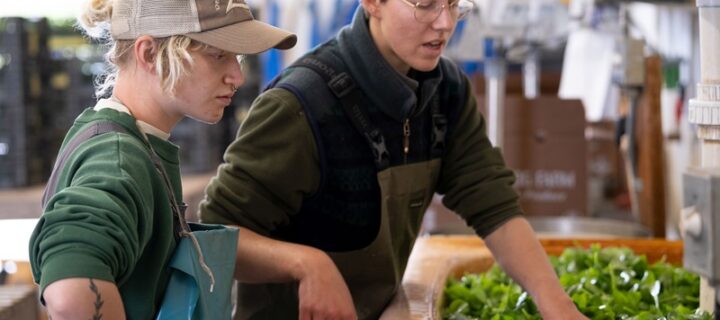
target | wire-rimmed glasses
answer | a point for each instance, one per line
(428, 10)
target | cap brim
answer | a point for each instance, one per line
(247, 37)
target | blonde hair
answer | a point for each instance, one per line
(171, 59)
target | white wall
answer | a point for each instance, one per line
(41, 8)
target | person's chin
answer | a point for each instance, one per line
(427, 65)
(209, 119)
(215, 120)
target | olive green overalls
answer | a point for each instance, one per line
(373, 274)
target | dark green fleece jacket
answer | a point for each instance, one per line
(273, 166)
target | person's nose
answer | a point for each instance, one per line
(445, 20)
(235, 76)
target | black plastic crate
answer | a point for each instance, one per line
(200, 145)
(23, 53)
(13, 165)
(28, 107)
(81, 91)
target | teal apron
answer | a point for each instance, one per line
(201, 269)
(194, 292)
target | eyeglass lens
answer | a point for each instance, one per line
(429, 10)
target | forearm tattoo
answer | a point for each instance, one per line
(98, 301)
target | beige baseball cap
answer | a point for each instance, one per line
(226, 24)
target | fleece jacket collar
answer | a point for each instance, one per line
(391, 91)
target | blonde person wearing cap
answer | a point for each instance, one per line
(101, 248)
(356, 137)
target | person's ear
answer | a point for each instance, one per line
(145, 50)
(372, 7)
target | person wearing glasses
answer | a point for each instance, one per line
(344, 152)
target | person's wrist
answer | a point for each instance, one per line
(555, 304)
(308, 260)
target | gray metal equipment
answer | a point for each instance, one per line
(702, 185)
(701, 196)
(507, 24)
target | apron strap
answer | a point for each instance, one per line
(92, 130)
(181, 227)
(344, 88)
(97, 129)
(439, 128)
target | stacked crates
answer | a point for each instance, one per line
(23, 55)
(41, 93)
(201, 145)
(71, 91)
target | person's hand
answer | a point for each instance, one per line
(322, 292)
(517, 250)
(560, 308)
(573, 314)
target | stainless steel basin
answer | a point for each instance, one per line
(588, 227)
(570, 227)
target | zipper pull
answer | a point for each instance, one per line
(406, 138)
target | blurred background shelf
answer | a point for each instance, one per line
(25, 203)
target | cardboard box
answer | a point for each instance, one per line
(545, 146)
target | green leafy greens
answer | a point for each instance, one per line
(604, 283)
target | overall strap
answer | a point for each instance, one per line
(439, 128)
(344, 88)
(94, 129)
(98, 128)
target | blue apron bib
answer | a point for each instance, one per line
(191, 294)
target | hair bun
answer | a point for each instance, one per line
(95, 19)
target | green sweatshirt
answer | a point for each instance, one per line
(110, 218)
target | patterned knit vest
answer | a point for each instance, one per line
(344, 214)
